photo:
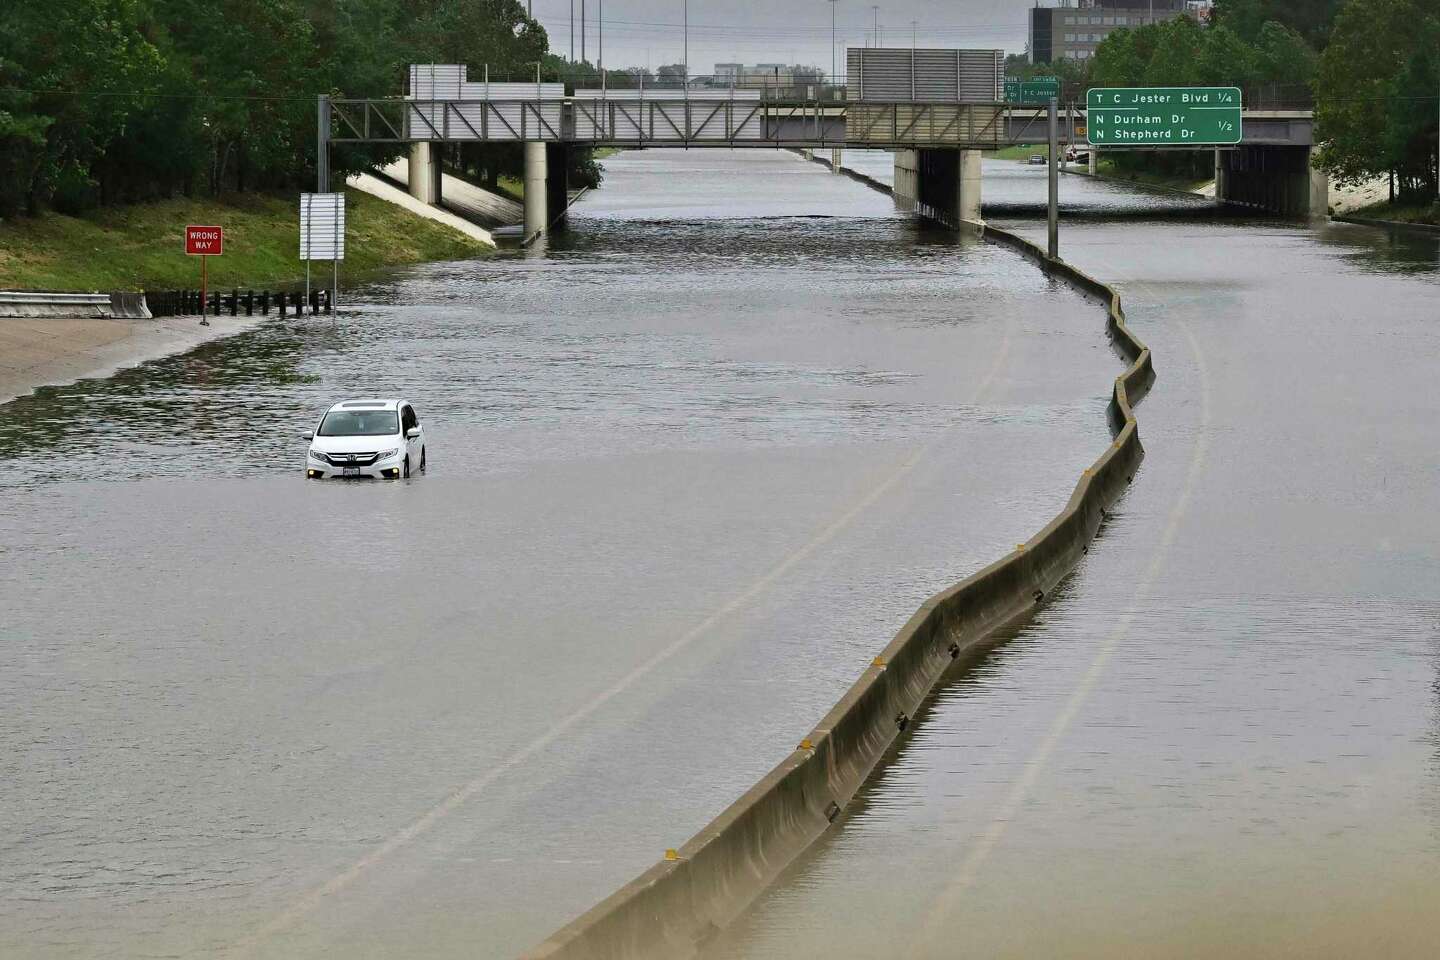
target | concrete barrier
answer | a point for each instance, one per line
(129, 306)
(673, 908)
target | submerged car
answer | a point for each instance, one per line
(374, 439)
(1036, 160)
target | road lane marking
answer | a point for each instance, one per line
(930, 934)
(313, 899)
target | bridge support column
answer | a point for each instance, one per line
(907, 179)
(537, 213)
(1094, 164)
(968, 207)
(425, 172)
(837, 157)
(1319, 201)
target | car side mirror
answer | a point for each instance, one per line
(308, 435)
(413, 433)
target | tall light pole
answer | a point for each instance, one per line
(572, 31)
(686, 58)
(833, 54)
(582, 32)
(601, 56)
(912, 34)
(875, 9)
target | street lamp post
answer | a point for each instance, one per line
(875, 32)
(687, 44)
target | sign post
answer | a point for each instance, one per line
(322, 236)
(204, 242)
(1052, 218)
(1163, 116)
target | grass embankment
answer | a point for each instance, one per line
(1107, 168)
(1020, 151)
(1426, 213)
(142, 246)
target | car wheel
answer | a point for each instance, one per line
(422, 459)
(406, 474)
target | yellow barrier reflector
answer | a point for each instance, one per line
(879, 661)
(806, 744)
(671, 855)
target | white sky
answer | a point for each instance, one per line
(649, 32)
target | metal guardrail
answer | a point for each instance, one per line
(25, 303)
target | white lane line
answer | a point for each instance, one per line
(930, 938)
(313, 899)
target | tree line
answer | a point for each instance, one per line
(1370, 68)
(117, 101)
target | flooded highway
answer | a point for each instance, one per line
(1222, 738)
(689, 469)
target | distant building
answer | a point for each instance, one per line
(763, 75)
(1072, 31)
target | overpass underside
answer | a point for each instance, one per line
(1276, 179)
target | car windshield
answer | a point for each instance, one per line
(359, 423)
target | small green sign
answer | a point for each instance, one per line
(1034, 90)
(1163, 116)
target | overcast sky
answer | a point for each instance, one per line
(649, 32)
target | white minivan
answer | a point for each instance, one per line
(375, 439)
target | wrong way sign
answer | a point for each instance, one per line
(204, 241)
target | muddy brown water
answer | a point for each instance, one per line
(1222, 737)
(690, 468)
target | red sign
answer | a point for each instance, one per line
(204, 241)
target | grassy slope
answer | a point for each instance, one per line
(1401, 212)
(141, 246)
(1107, 169)
(1021, 151)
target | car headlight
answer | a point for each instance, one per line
(317, 455)
(387, 454)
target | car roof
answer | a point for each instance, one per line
(372, 404)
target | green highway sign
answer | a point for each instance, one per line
(1034, 90)
(1163, 116)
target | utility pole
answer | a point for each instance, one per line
(601, 55)
(912, 35)
(687, 44)
(875, 30)
(572, 31)
(582, 32)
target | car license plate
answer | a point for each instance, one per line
(351, 472)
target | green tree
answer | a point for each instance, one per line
(1310, 19)
(1361, 107)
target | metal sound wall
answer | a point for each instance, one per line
(925, 76)
(482, 110)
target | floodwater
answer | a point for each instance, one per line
(1222, 738)
(689, 469)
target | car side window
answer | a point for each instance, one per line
(408, 420)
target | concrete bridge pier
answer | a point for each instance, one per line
(943, 185)
(425, 169)
(837, 157)
(1094, 163)
(537, 193)
(970, 183)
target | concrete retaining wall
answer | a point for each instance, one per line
(676, 905)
